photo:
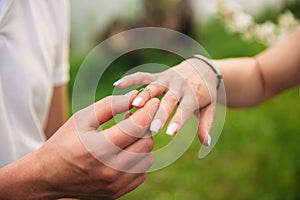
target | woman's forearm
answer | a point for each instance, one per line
(242, 80)
(250, 81)
(281, 64)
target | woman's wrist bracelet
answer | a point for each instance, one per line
(217, 74)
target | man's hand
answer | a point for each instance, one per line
(80, 162)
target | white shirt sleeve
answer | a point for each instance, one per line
(61, 67)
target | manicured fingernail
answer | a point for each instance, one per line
(118, 82)
(208, 140)
(137, 101)
(155, 125)
(172, 128)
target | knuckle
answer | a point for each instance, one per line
(171, 97)
(143, 177)
(113, 188)
(107, 99)
(99, 104)
(133, 128)
(161, 112)
(110, 175)
(147, 162)
(149, 144)
(81, 112)
(150, 160)
(159, 82)
(77, 114)
(188, 107)
(141, 74)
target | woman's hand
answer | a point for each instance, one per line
(191, 84)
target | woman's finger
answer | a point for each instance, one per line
(138, 78)
(206, 118)
(152, 90)
(184, 111)
(166, 107)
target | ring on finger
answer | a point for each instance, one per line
(147, 89)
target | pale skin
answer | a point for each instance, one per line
(64, 168)
(248, 82)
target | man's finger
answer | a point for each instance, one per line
(106, 145)
(103, 110)
(106, 109)
(128, 131)
(134, 153)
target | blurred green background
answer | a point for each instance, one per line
(257, 155)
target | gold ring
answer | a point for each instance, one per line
(146, 89)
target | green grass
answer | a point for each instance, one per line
(257, 155)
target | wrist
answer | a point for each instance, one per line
(206, 69)
(24, 177)
(212, 67)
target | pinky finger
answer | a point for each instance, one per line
(206, 118)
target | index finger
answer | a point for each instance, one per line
(141, 78)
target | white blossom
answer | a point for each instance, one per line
(266, 32)
(236, 20)
(242, 21)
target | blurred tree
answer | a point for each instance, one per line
(176, 15)
(172, 14)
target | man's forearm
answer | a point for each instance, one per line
(23, 179)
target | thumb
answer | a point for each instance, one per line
(103, 110)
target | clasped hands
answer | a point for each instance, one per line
(79, 161)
